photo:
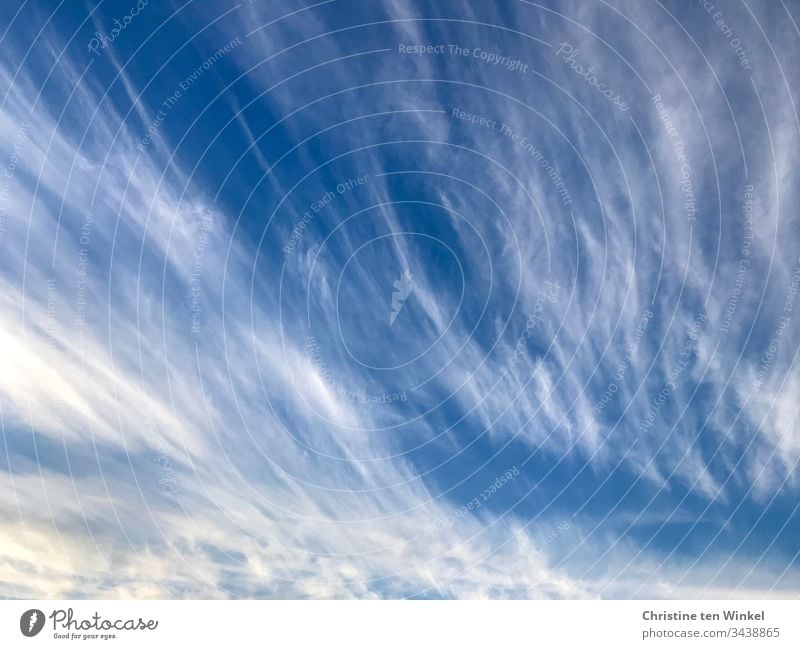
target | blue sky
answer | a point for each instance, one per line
(399, 299)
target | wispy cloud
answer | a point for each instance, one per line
(205, 340)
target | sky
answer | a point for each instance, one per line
(399, 299)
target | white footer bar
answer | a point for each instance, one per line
(400, 624)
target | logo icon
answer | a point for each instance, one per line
(31, 622)
(403, 288)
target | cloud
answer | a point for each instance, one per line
(213, 416)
